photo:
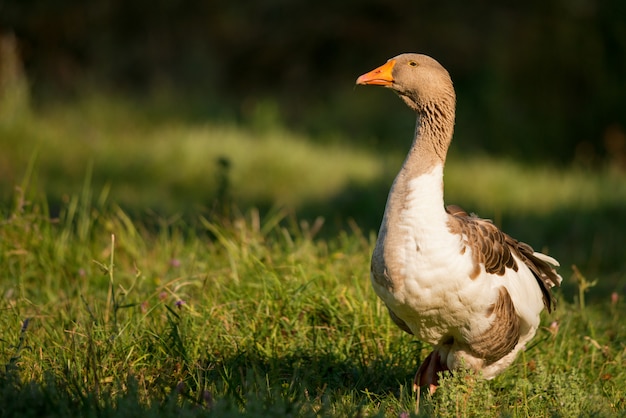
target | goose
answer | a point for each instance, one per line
(449, 278)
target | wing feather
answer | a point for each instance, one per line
(495, 250)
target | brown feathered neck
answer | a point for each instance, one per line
(434, 127)
(428, 90)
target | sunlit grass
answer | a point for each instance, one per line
(169, 165)
(151, 165)
(490, 184)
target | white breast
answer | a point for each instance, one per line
(422, 272)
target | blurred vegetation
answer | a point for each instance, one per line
(174, 109)
(539, 80)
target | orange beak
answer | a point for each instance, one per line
(381, 76)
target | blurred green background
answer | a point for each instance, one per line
(174, 108)
(536, 80)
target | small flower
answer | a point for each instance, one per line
(82, 272)
(162, 295)
(614, 298)
(554, 328)
(175, 262)
(144, 306)
(404, 415)
(179, 303)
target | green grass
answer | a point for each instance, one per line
(132, 286)
(248, 317)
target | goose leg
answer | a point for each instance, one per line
(427, 372)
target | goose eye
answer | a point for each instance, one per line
(413, 63)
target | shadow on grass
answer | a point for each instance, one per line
(318, 373)
(245, 384)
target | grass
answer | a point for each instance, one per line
(197, 309)
(250, 318)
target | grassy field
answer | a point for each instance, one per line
(159, 267)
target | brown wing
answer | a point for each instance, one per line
(494, 249)
(503, 335)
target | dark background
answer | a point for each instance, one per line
(536, 80)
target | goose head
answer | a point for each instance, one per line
(418, 79)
